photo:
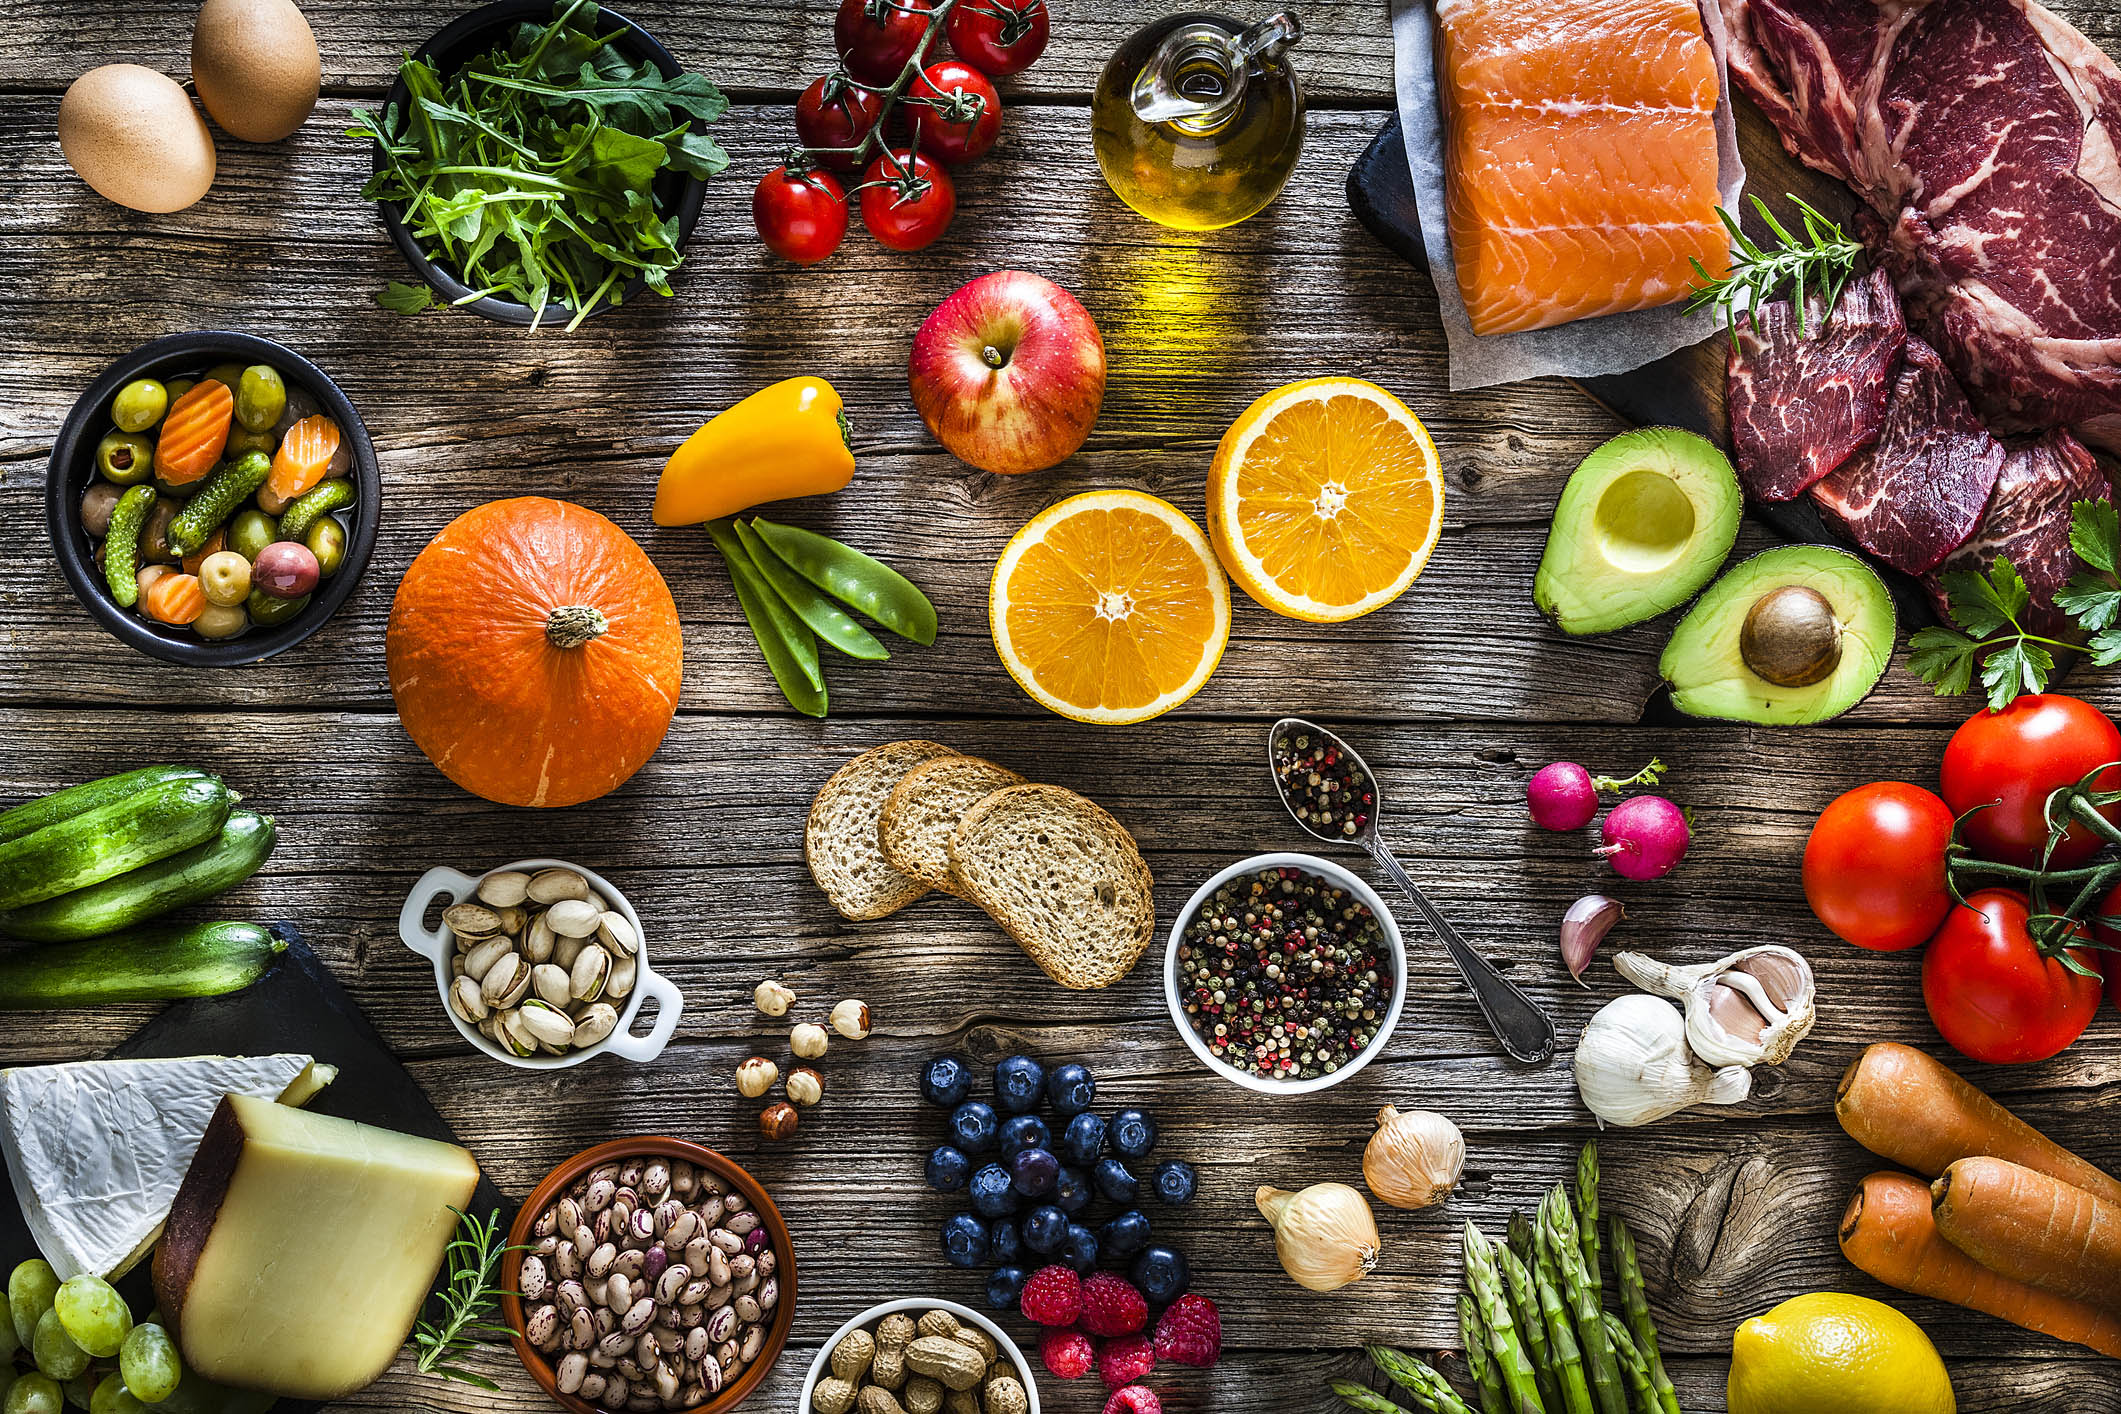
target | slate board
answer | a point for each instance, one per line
(300, 1007)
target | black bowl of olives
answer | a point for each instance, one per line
(212, 498)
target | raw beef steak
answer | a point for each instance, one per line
(1916, 495)
(1801, 403)
(2028, 521)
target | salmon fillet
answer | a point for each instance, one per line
(1579, 156)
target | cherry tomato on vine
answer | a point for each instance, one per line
(2018, 757)
(1874, 865)
(999, 37)
(952, 112)
(803, 217)
(1991, 991)
(907, 200)
(2110, 960)
(877, 38)
(835, 112)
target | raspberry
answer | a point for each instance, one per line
(1111, 1306)
(1124, 1359)
(1134, 1400)
(1053, 1296)
(1190, 1332)
(1067, 1354)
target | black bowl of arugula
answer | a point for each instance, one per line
(540, 160)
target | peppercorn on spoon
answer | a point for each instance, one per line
(1524, 1029)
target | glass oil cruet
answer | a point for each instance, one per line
(1198, 120)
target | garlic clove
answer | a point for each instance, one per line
(1633, 1065)
(1722, 998)
(1584, 927)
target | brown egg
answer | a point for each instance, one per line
(134, 136)
(255, 65)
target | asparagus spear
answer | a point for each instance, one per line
(1510, 1361)
(1561, 1337)
(1587, 1210)
(1633, 1366)
(1627, 1275)
(1430, 1390)
(1486, 1378)
(1524, 1309)
(1364, 1398)
(1558, 1227)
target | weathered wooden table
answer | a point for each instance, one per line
(1456, 694)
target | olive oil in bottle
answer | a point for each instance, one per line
(1198, 121)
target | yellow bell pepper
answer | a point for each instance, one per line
(787, 440)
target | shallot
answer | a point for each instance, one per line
(1645, 837)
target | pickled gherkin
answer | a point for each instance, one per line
(204, 513)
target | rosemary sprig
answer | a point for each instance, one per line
(470, 1291)
(1824, 259)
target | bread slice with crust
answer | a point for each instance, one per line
(839, 843)
(1064, 879)
(923, 812)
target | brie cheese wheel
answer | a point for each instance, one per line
(97, 1149)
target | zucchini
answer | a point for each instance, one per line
(244, 844)
(109, 840)
(153, 964)
(62, 805)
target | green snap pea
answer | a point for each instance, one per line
(230, 487)
(334, 495)
(121, 548)
(867, 586)
(791, 651)
(825, 618)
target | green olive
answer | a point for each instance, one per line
(125, 457)
(327, 541)
(96, 506)
(154, 536)
(261, 396)
(268, 612)
(221, 621)
(178, 387)
(250, 532)
(242, 439)
(228, 373)
(139, 405)
(172, 491)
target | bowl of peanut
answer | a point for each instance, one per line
(919, 1356)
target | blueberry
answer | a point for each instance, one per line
(1045, 1229)
(964, 1241)
(1126, 1234)
(1174, 1181)
(1115, 1181)
(1035, 1172)
(1071, 1089)
(1005, 1286)
(972, 1125)
(1072, 1190)
(1005, 1242)
(947, 1169)
(945, 1082)
(1080, 1250)
(1083, 1140)
(1161, 1274)
(992, 1197)
(1021, 1132)
(1017, 1082)
(1133, 1134)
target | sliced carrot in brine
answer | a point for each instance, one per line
(194, 433)
(175, 599)
(305, 455)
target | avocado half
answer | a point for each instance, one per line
(1644, 522)
(1795, 634)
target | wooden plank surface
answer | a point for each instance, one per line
(1456, 694)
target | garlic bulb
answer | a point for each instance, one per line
(1413, 1159)
(1324, 1235)
(1751, 1008)
(1633, 1066)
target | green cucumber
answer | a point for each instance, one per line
(109, 840)
(244, 844)
(309, 507)
(151, 964)
(224, 495)
(121, 544)
(65, 804)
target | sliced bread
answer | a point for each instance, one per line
(924, 809)
(839, 843)
(1064, 879)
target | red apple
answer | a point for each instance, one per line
(1009, 373)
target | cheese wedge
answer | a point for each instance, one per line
(97, 1149)
(301, 1247)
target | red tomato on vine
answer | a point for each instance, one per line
(907, 200)
(877, 38)
(2013, 760)
(953, 113)
(835, 112)
(999, 37)
(1874, 865)
(803, 217)
(1995, 993)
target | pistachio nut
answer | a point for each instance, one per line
(572, 918)
(552, 984)
(596, 1023)
(548, 1023)
(507, 982)
(465, 999)
(566, 950)
(588, 975)
(538, 940)
(615, 933)
(512, 1034)
(504, 888)
(471, 920)
(623, 972)
(514, 920)
(549, 886)
(480, 960)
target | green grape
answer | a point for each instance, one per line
(56, 1353)
(34, 1393)
(149, 1363)
(30, 1288)
(8, 1373)
(81, 1389)
(9, 1344)
(94, 1314)
(112, 1397)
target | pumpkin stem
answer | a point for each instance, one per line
(572, 625)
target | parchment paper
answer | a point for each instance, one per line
(1611, 343)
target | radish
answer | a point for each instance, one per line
(1564, 796)
(1645, 837)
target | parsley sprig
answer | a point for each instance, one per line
(470, 1291)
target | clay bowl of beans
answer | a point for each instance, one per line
(649, 1274)
(1285, 974)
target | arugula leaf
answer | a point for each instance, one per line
(401, 298)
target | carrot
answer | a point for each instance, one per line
(175, 599)
(1890, 1232)
(2032, 1228)
(305, 455)
(215, 543)
(195, 432)
(1901, 1105)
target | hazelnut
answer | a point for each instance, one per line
(851, 1019)
(805, 1086)
(778, 1121)
(756, 1076)
(772, 998)
(809, 1040)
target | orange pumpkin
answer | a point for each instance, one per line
(534, 653)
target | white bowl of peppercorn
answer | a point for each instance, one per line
(1285, 974)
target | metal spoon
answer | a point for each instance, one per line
(1525, 1031)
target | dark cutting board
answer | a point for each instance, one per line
(298, 1007)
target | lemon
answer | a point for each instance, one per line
(1827, 1353)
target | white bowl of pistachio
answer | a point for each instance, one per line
(541, 964)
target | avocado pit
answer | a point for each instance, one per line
(1791, 637)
